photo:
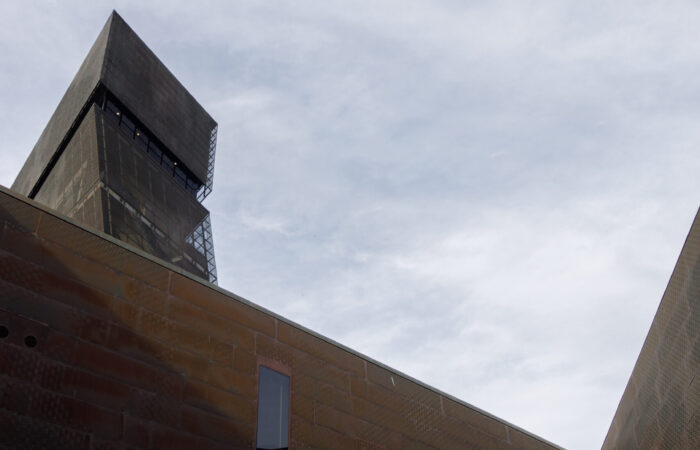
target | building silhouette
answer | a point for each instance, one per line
(130, 152)
(660, 407)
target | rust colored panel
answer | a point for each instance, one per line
(123, 359)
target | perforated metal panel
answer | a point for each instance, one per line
(661, 404)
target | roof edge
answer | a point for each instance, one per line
(174, 268)
(65, 114)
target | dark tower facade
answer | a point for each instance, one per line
(129, 152)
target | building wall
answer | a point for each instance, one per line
(126, 168)
(127, 67)
(142, 82)
(171, 212)
(131, 353)
(64, 116)
(100, 160)
(72, 187)
(660, 407)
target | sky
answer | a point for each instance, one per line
(487, 196)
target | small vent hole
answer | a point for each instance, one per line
(4, 331)
(30, 341)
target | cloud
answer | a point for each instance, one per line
(488, 196)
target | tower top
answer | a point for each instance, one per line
(120, 62)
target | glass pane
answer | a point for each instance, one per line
(273, 410)
(141, 139)
(167, 163)
(111, 107)
(180, 176)
(154, 151)
(127, 125)
(192, 186)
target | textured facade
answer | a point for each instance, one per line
(103, 346)
(111, 333)
(660, 408)
(130, 152)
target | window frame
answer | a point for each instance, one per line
(282, 369)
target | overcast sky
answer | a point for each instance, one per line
(487, 196)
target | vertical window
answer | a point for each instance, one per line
(141, 139)
(154, 152)
(127, 126)
(273, 410)
(167, 163)
(111, 107)
(180, 177)
(192, 186)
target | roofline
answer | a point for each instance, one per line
(638, 363)
(251, 304)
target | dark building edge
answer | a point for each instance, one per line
(58, 130)
(640, 362)
(203, 282)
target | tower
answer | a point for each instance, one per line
(130, 152)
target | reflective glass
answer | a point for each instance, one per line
(154, 151)
(273, 410)
(141, 139)
(127, 125)
(167, 163)
(111, 107)
(180, 176)
(192, 186)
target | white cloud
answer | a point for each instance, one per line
(474, 194)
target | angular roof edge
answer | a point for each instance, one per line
(179, 121)
(174, 268)
(65, 116)
(666, 297)
(149, 89)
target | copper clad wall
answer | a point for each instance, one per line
(660, 407)
(131, 354)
